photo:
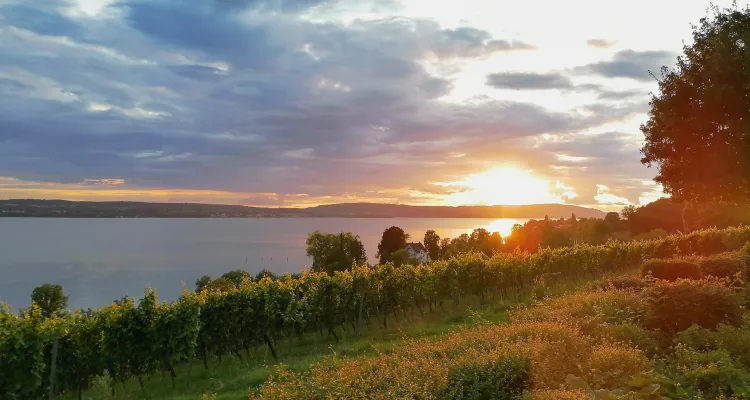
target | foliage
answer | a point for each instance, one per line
(333, 252)
(125, 341)
(675, 306)
(236, 276)
(697, 132)
(393, 240)
(725, 265)
(432, 243)
(504, 377)
(710, 373)
(202, 282)
(50, 299)
(671, 269)
(23, 340)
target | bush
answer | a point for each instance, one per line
(628, 282)
(675, 306)
(633, 335)
(611, 366)
(726, 265)
(591, 311)
(710, 373)
(559, 394)
(733, 340)
(671, 269)
(504, 377)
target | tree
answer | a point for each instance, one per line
(202, 282)
(236, 276)
(221, 285)
(432, 243)
(400, 257)
(698, 131)
(50, 299)
(335, 251)
(612, 218)
(393, 240)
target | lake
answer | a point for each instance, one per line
(100, 260)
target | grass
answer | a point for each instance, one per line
(232, 377)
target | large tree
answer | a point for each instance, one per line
(50, 299)
(432, 243)
(393, 240)
(698, 132)
(335, 251)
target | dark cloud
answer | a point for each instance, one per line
(631, 64)
(44, 22)
(528, 81)
(623, 95)
(198, 72)
(10, 85)
(599, 43)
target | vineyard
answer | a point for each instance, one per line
(128, 340)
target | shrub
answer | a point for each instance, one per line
(675, 306)
(505, 377)
(611, 366)
(733, 340)
(592, 311)
(633, 335)
(708, 373)
(671, 269)
(559, 394)
(725, 265)
(629, 282)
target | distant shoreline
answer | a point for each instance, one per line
(26, 208)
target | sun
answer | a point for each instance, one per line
(503, 186)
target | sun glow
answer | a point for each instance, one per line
(504, 186)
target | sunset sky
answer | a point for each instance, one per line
(304, 102)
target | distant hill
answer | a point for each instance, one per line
(127, 209)
(404, 211)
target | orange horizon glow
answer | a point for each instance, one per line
(501, 185)
(506, 185)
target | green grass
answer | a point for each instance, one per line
(233, 377)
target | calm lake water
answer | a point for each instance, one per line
(100, 260)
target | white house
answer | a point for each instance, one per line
(417, 250)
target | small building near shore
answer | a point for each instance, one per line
(417, 251)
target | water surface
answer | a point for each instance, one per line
(100, 260)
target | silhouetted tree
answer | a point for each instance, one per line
(50, 299)
(612, 218)
(697, 133)
(432, 243)
(393, 240)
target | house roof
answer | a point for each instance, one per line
(416, 247)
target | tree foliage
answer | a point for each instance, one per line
(393, 240)
(698, 132)
(432, 243)
(333, 252)
(50, 299)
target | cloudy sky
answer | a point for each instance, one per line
(303, 102)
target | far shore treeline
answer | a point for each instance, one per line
(132, 209)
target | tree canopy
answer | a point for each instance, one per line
(432, 243)
(335, 251)
(698, 131)
(393, 240)
(50, 299)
